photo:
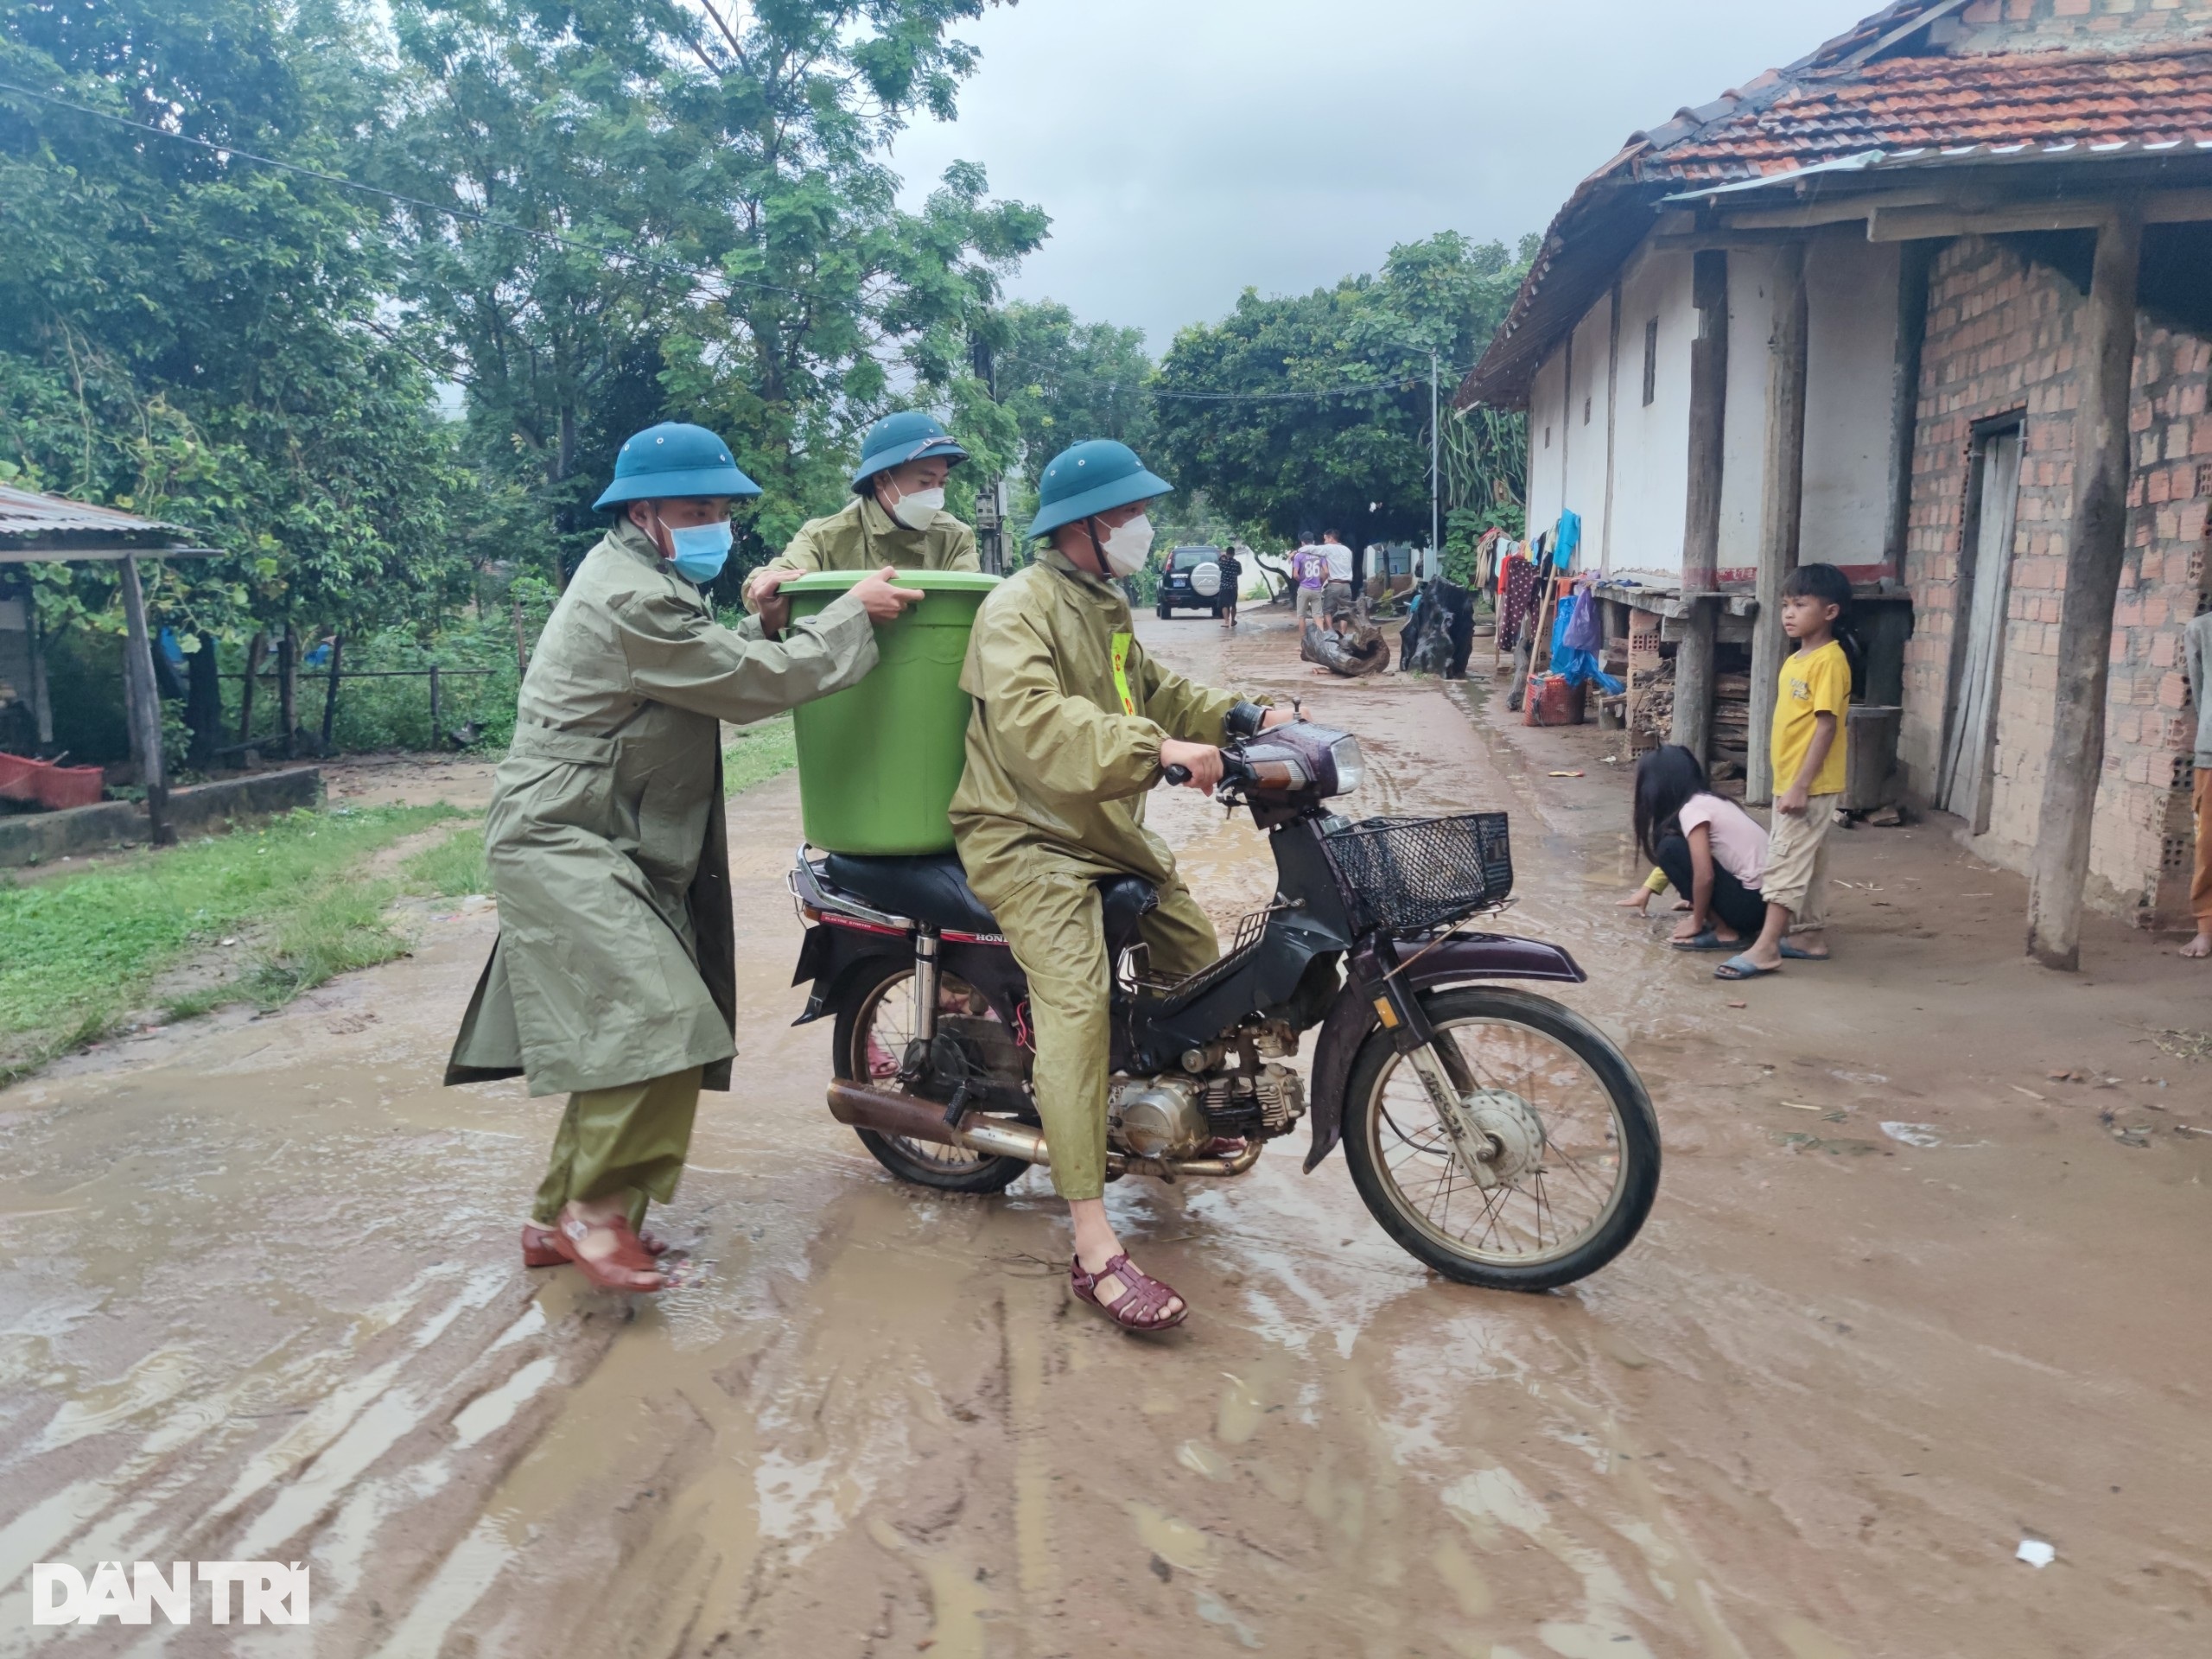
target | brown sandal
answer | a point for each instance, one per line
(541, 1248)
(1141, 1304)
(629, 1255)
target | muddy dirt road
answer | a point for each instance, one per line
(261, 1302)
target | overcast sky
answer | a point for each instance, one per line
(1187, 149)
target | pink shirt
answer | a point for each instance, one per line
(1739, 843)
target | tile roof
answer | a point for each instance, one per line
(2044, 100)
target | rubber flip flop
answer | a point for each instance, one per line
(1796, 954)
(1742, 968)
(1705, 941)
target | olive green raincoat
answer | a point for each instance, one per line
(863, 536)
(614, 963)
(1062, 748)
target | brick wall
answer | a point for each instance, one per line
(2103, 25)
(2000, 338)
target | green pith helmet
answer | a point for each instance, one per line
(674, 460)
(911, 435)
(1095, 476)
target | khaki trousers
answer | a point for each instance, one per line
(632, 1139)
(1055, 928)
(1797, 876)
(1309, 604)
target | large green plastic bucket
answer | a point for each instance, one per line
(878, 762)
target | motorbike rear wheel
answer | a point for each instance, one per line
(873, 1027)
(1578, 1143)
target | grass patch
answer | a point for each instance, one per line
(84, 950)
(759, 752)
(452, 869)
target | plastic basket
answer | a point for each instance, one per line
(1408, 875)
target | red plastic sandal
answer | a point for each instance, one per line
(540, 1249)
(1143, 1301)
(628, 1256)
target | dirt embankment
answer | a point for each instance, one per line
(1905, 1300)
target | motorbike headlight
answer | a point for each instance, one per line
(1350, 764)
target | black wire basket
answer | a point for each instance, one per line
(1409, 875)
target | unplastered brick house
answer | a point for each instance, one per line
(1932, 304)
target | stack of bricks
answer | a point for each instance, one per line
(2001, 340)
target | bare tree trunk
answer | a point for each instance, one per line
(203, 702)
(288, 687)
(144, 699)
(1701, 519)
(2105, 350)
(257, 652)
(330, 693)
(1784, 514)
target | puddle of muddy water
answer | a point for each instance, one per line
(261, 1290)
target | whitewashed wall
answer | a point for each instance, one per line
(1851, 297)
(1852, 293)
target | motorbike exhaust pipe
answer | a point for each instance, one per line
(916, 1119)
(921, 1120)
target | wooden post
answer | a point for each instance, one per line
(257, 652)
(521, 648)
(2105, 348)
(435, 740)
(288, 687)
(42, 701)
(1701, 519)
(330, 695)
(1612, 424)
(1917, 262)
(144, 700)
(1783, 515)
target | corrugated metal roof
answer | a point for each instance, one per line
(30, 521)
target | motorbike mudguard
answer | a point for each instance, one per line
(830, 955)
(1351, 1018)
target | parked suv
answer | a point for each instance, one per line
(1182, 587)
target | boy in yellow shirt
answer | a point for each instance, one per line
(1809, 707)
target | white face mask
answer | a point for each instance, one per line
(915, 510)
(1128, 546)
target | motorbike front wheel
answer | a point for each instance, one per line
(1575, 1142)
(875, 1026)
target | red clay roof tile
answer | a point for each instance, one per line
(2041, 100)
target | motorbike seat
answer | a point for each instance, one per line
(1125, 901)
(930, 888)
(933, 888)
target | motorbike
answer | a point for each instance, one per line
(1496, 1135)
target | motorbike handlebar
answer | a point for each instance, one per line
(1233, 771)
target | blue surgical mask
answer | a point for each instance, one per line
(700, 550)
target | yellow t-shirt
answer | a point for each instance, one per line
(1812, 685)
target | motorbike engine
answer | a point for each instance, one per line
(1158, 1117)
(1248, 1104)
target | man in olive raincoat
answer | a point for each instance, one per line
(614, 975)
(896, 516)
(1073, 723)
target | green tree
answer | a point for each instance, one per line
(192, 335)
(768, 285)
(1310, 412)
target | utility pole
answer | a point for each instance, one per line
(1435, 484)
